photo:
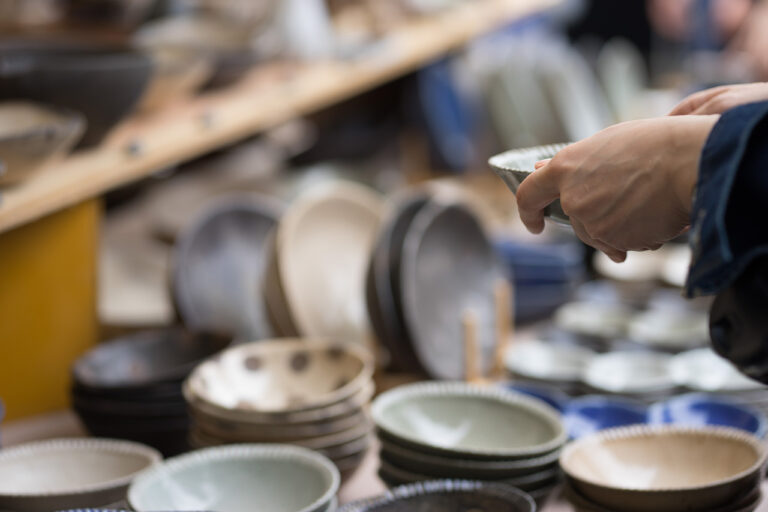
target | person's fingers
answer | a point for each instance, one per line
(690, 104)
(535, 193)
(541, 163)
(615, 254)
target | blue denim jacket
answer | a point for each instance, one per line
(729, 220)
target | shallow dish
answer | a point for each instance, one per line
(586, 415)
(449, 269)
(447, 496)
(98, 471)
(630, 373)
(516, 165)
(598, 319)
(552, 395)
(703, 370)
(670, 330)
(664, 469)
(282, 375)
(33, 136)
(699, 410)
(547, 361)
(219, 264)
(459, 420)
(145, 358)
(324, 243)
(239, 478)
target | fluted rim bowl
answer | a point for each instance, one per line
(664, 468)
(460, 420)
(282, 375)
(290, 479)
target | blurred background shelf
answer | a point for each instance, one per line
(271, 95)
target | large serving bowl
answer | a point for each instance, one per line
(70, 473)
(33, 136)
(104, 84)
(239, 478)
(664, 469)
(447, 496)
(460, 420)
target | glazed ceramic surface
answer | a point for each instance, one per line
(552, 395)
(673, 330)
(282, 375)
(456, 419)
(239, 478)
(33, 136)
(665, 469)
(449, 269)
(587, 415)
(97, 472)
(447, 496)
(219, 267)
(630, 372)
(324, 244)
(703, 370)
(698, 410)
(547, 361)
(603, 320)
(514, 166)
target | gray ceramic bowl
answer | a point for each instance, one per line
(70, 473)
(664, 469)
(460, 420)
(447, 496)
(516, 165)
(239, 478)
(449, 268)
(33, 136)
(219, 264)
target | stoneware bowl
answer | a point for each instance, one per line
(323, 245)
(670, 330)
(219, 265)
(460, 420)
(664, 469)
(629, 373)
(586, 415)
(516, 165)
(33, 136)
(449, 269)
(282, 375)
(239, 478)
(699, 409)
(447, 496)
(703, 370)
(594, 319)
(70, 473)
(547, 361)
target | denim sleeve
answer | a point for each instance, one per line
(729, 219)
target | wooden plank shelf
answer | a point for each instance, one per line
(269, 96)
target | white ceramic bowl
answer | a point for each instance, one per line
(541, 360)
(664, 469)
(703, 370)
(239, 478)
(668, 329)
(70, 473)
(603, 320)
(629, 373)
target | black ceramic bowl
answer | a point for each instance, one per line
(102, 83)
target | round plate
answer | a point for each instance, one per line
(449, 269)
(630, 373)
(219, 264)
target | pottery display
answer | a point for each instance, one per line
(586, 415)
(643, 375)
(561, 365)
(670, 330)
(596, 319)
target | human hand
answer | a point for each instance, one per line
(628, 187)
(719, 99)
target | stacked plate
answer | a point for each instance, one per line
(454, 430)
(130, 387)
(306, 392)
(665, 469)
(639, 375)
(549, 363)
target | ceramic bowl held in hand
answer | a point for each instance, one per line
(664, 469)
(459, 420)
(70, 473)
(239, 478)
(590, 414)
(33, 136)
(516, 165)
(447, 496)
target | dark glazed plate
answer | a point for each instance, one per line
(449, 268)
(219, 267)
(447, 496)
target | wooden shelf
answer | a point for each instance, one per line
(269, 96)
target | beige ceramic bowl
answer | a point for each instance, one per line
(324, 243)
(664, 469)
(282, 375)
(70, 473)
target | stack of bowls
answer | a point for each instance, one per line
(306, 392)
(130, 387)
(70, 473)
(435, 430)
(665, 469)
(240, 478)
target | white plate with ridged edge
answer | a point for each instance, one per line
(516, 165)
